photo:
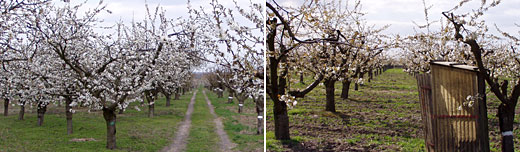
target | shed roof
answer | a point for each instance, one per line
(455, 65)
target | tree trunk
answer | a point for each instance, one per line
(240, 105)
(177, 95)
(68, 114)
(370, 75)
(505, 118)
(151, 103)
(281, 125)
(260, 115)
(22, 112)
(110, 118)
(167, 99)
(344, 90)
(151, 110)
(329, 93)
(6, 107)
(230, 99)
(220, 94)
(41, 112)
(301, 78)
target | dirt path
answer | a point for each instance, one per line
(225, 144)
(181, 137)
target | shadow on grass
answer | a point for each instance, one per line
(296, 145)
(345, 118)
(363, 101)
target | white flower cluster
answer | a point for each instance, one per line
(289, 100)
(469, 102)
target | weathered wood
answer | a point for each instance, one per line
(450, 123)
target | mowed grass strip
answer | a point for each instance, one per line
(135, 131)
(241, 132)
(202, 132)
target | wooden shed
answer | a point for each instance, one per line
(453, 106)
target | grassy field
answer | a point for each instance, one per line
(384, 115)
(240, 127)
(135, 131)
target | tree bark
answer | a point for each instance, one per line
(370, 75)
(6, 107)
(505, 118)
(345, 89)
(329, 93)
(230, 99)
(281, 125)
(151, 110)
(301, 78)
(151, 104)
(110, 119)
(168, 99)
(260, 115)
(68, 114)
(220, 94)
(22, 112)
(41, 113)
(240, 105)
(177, 95)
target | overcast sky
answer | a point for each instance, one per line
(126, 10)
(398, 13)
(401, 13)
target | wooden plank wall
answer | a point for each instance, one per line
(424, 87)
(454, 126)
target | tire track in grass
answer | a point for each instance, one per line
(225, 143)
(180, 140)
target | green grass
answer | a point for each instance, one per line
(240, 127)
(384, 115)
(135, 131)
(202, 132)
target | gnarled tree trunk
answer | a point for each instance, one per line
(329, 94)
(110, 119)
